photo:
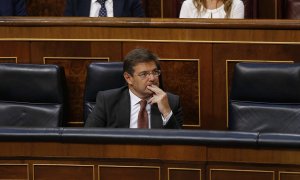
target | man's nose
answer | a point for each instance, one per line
(151, 76)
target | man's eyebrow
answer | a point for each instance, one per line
(155, 69)
(150, 70)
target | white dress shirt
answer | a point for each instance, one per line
(95, 8)
(135, 109)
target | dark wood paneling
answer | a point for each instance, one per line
(49, 160)
(156, 30)
(129, 172)
(280, 8)
(112, 50)
(289, 175)
(40, 50)
(175, 153)
(8, 59)
(181, 76)
(13, 171)
(266, 9)
(152, 8)
(238, 174)
(181, 173)
(13, 51)
(63, 172)
(169, 9)
(45, 7)
(185, 81)
(254, 155)
(108, 50)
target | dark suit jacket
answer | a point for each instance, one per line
(121, 8)
(113, 110)
(13, 8)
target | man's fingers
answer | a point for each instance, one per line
(154, 88)
(152, 100)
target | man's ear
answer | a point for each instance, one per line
(128, 78)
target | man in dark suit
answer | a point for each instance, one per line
(122, 107)
(13, 8)
(114, 8)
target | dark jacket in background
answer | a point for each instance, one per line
(121, 8)
(13, 8)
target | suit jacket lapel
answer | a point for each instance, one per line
(118, 6)
(156, 120)
(123, 112)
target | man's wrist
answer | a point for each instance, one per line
(166, 119)
(165, 114)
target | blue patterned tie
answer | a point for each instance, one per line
(102, 12)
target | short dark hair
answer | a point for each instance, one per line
(139, 55)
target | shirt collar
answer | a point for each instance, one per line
(133, 98)
(94, 1)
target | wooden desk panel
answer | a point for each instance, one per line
(14, 171)
(63, 171)
(48, 160)
(14, 52)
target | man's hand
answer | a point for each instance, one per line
(161, 98)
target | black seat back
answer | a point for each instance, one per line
(32, 95)
(265, 97)
(100, 77)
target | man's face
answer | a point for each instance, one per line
(138, 82)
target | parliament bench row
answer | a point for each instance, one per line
(264, 96)
(102, 153)
(154, 137)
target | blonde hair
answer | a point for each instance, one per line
(199, 4)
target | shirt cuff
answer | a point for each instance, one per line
(165, 120)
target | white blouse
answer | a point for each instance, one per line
(188, 10)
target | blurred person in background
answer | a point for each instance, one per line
(13, 8)
(212, 9)
(104, 8)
